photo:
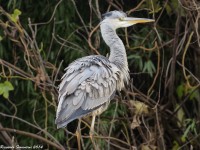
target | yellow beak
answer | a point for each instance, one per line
(131, 20)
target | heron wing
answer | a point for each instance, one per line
(88, 83)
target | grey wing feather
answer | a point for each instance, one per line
(88, 83)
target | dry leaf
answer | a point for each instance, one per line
(136, 122)
(148, 147)
(139, 107)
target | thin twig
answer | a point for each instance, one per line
(157, 72)
(32, 125)
(33, 136)
(89, 40)
(52, 16)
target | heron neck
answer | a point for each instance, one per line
(117, 50)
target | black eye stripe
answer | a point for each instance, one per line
(108, 14)
(114, 15)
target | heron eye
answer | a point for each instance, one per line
(121, 19)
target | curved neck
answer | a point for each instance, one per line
(117, 50)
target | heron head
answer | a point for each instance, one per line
(118, 19)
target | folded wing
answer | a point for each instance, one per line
(88, 83)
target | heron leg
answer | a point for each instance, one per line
(92, 132)
(78, 134)
(92, 126)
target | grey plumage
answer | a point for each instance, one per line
(90, 82)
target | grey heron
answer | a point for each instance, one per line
(89, 83)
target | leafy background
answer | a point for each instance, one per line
(159, 110)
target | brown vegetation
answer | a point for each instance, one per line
(159, 110)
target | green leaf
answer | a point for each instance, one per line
(180, 115)
(41, 47)
(5, 88)
(194, 94)
(17, 12)
(175, 145)
(1, 38)
(180, 91)
(149, 67)
(183, 138)
(183, 89)
(15, 15)
(134, 57)
(156, 10)
(138, 60)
